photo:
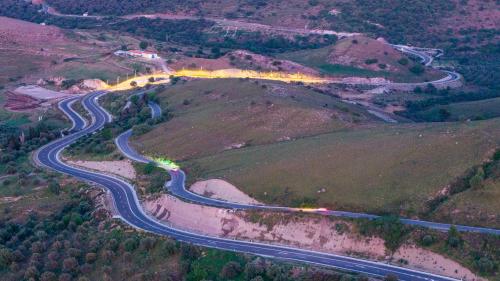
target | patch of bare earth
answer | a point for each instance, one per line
(243, 60)
(424, 259)
(220, 189)
(314, 233)
(248, 60)
(123, 168)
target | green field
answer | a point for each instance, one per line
(483, 109)
(387, 169)
(211, 116)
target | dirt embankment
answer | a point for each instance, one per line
(220, 189)
(307, 232)
(123, 168)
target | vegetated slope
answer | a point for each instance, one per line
(364, 56)
(211, 116)
(472, 110)
(477, 206)
(394, 169)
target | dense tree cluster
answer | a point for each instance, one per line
(21, 10)
(441, 97)
(193, 32)
(69, 245)
(77, 243)
(120, 7)
(16, 143)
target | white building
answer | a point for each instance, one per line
(137, 54)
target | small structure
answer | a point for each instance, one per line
(137, 54)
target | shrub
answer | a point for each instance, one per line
(484, 265)
(403, 61)
(427, 240)
(389, 228)
(417, 69)
(371, 61)
(130, 244)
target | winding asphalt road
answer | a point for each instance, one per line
(131, 212)
(427, 60)
(178, 188)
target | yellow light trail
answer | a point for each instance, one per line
(162, 78)
(140, 81)
(239, 73)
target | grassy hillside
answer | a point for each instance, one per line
(474, 207)
(365, 57)
(386, 169)
(211, 116)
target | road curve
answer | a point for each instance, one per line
(178, 188)
(131, 212)
(77, 121)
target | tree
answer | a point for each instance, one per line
(54, 187)
(48, 276)
(6, 258)
(65, 277)
(230, 270)
(391, 277)
(431, 89)
(69, 264)
(253, 269)
(147, 243)
(133, 84)
(454, 238)
(90, 257)
(143, 45)
(31, 272)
